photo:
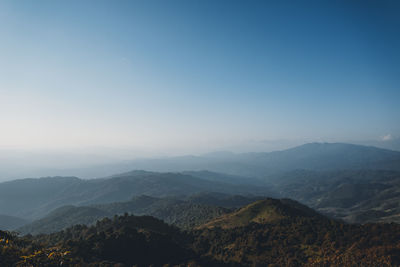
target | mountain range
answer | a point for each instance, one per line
(185, 214)
(355, 196)
(312, 156)
(278, 232)
(352, 183)
(33, 198)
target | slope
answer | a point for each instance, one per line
(180, 213)
(11, 222)
(285, 233)
(312, 156)
(261, 212)
(33, 198)
(354, 196)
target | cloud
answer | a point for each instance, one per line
(387, 137)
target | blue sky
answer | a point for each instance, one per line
(197, 75)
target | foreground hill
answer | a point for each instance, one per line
(122, 241)
(286, 233)
(299, 237)
(34, 198)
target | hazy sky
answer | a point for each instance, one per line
(197, 74)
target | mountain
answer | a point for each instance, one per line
(333, 156)
(11, 222)
(262, 211)
(222, 200)
(26, 196)
(285, 233)
(312, 156)
(354, 196)
(249, 174)
(299, 237)
(121, 241)
(392, 143)
(34, 198)
(225, 178)
(180, 213)
(184, 214)
(322, 156)
(63, 217)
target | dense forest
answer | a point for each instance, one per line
(270, 231)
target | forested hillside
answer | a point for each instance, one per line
(356, 196)
(183, 214)
(34, 198)
(270, 231)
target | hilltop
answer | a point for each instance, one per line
(286, 233)
(261, 212)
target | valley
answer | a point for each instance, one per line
(307, 215)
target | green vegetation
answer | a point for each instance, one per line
(302, 241)
(354, 195)
(34, 198)
(62, 218)
(262, 211)
(268, 232)
(214, 219)
(124, 240)
(184, 214)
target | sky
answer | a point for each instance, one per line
(196, 76)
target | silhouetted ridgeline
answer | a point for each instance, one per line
(312, 156)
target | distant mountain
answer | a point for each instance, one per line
(26, 197)
(11, 222)
(33, 198)
(249, 174)
(312, 156)
(334, 156)
(225, 178)
(354, 196)
(391, 143)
